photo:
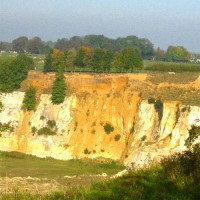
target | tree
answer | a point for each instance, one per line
(13, 72)
(62, 44)
(71, 54)
(19, 44)
(53, 60)
(108, 59)
(79, 58)
(59, 89)
(29, 101)
(98, 61)
(5, 46)
(128, 60)
(177, 54)
(160, 54)
(34, 45)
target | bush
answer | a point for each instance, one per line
(108, 128)
(51, 123)
(158, 104)
(46, 131)
(151, 100)
(93, 131)
(5, 127)
(194, 133)
(33, 129)
(42, 117)
(86, 151)
(117, 137)
(1, 106)
(144, 138)
(184, 109)
(29, 101)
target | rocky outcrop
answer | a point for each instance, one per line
(101, 117)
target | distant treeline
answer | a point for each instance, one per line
(37, 46)
(144, 46)
(93, 60)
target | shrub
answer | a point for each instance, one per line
(144, 138)
(33, 129)
(1, 106)
(51, 123)
(94, 124)
(86, 151)
(132, 129)
(117, 137)
(46, 131)
(42, 117)
(184, 109)
(94, 151)
(108, 128)
(158, 104)
(75, 126)
(29, 101)
(151, 100)
(184, 164)
(93, 131)
(5, 127)
(194, 133)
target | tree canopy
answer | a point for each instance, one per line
(13, 72)
(177, 54)
(96, 60)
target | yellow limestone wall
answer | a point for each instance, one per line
(91, 102)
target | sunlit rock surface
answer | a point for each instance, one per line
(142, 134)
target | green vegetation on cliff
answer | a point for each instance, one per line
(59, 89)
(13, 72)
(29, 101)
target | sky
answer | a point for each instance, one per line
(163, 22)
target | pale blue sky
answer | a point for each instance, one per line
(164, 22)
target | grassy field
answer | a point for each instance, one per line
(27, 165)
(175, 178)
(37, 58)
(29, 173)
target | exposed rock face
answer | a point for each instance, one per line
(141, 132)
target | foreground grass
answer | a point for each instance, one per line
(176, 178)
(148, 184)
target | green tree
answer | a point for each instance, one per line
(13, 72)
(70, 57)
(128, 60)
(19, 44)
(160, 54)
(98, 61)
(34, 45)
(177, 54)
(59, 89)
(108, 59)
(29, 101)
(79, 58)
